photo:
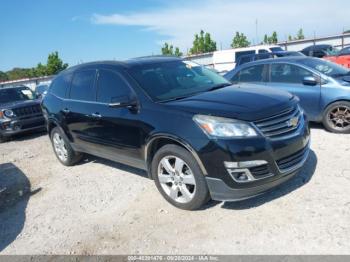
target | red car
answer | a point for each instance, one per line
(342, 58)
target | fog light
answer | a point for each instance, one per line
(245, 164)
(241, 176)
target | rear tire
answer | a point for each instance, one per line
(62, 148)
(178, 178)
(336, 117)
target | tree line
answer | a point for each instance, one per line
(203, 43)
(53, 66)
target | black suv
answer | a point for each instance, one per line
(20, 111)
(196, 135)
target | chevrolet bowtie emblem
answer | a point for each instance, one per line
(293, 122)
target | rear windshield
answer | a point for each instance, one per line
(175, 79)
(16, 94)
(276, 49)
(326, 67)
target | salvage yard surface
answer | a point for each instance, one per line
(100, 207)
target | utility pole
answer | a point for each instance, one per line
(256, 31)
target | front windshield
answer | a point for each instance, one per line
(16, 94)
(164, 81)
(326, 67)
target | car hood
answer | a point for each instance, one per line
(17, 104)
(245, 102)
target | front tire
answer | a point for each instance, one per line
(62, 148)
(336, 117)
(178, 178)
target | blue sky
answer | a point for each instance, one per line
(83, 31)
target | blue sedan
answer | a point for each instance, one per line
(323, 87)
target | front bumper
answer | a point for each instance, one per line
(16, 126)
(280, 159)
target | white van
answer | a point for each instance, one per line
(225, 60)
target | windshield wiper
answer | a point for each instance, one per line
(178, 97)
(218, 86)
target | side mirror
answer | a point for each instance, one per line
(310, 81)
(124, 102)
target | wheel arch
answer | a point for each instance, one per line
(341, 99)
(156, 142)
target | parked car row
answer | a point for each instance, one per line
(323, 87)
(328, 52)
(227, 60)
(198, 135)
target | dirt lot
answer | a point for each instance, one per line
(99, 207)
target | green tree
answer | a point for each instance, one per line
(290, 38)
(177, 52)
(300, 35)
(55, 64)
(273, 39)
(240, 40)
(203, 43)
(40, 70)
(3, 76)
(169, 50)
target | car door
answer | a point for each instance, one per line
(78, 109)
(291, 78)
(118, 129)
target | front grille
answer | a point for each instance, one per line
(292, 161)
(33, 125)
(28, 110)
(259, 171)
(282, 124)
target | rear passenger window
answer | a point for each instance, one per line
(286, 73)
(111, 87)
(252, 74)
(59, 85)
(82, 87)
(262, 51)
(243, 53)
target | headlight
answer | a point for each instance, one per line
(224, 127)
(8, 113)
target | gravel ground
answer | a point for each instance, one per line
(100, 207)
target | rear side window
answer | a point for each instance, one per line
(243, 53)
(111, 87)
(252, 74)
(59, 85)
(262, 51)
(82, 87)
(286, 73)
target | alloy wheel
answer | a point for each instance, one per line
(339, 117)
(60, 147)
(176, 179)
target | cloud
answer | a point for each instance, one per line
(223, 17)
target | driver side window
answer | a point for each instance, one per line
(287, 73)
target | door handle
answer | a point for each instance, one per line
(96, 115)
(66, 111)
